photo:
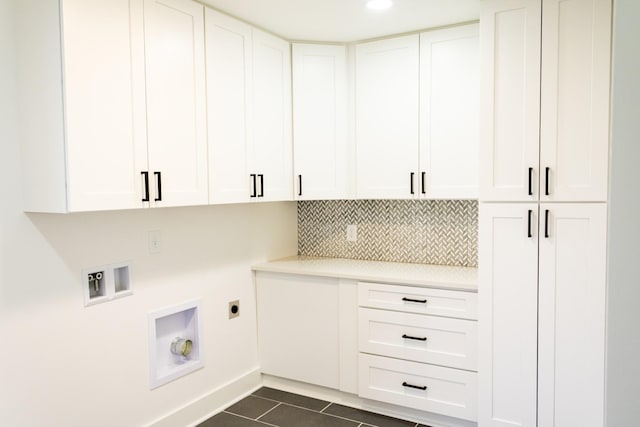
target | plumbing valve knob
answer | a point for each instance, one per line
(181, 347)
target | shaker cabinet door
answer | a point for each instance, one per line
(574, 122)
(104, 105)
(320, 122)
(271, 151)
(508, 313)
(449, 113)
(387, 74)
(572, 295)
(510, 99)
(176, 102)
(229, 71)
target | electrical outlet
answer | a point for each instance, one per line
(155, 242)
(352, 233)
(234, 309)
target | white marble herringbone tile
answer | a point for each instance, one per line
(431, 232)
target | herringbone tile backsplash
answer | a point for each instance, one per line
(443, 232)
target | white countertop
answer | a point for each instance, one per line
(434, 276)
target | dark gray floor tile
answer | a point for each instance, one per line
(366, 417)
(293, 399)
(251, 407)
(291, 416)
(224, 419)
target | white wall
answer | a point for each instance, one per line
(66, 365)
(623, 347)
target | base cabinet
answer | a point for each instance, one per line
(298, 334)
(418, 348)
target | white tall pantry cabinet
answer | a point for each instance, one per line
(545, 142)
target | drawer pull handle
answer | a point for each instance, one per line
(409, 337)
(421, 301)
(406, 384)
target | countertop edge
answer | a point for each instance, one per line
(297, 267)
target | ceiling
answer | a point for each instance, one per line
(346, 20)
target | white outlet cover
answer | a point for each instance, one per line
(155, 242)
(352, 232)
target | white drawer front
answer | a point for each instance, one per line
(429, 339)
(448, 391)
(412, 299)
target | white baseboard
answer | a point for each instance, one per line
(348, 399)
(199, 410)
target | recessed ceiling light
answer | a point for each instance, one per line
(379, 4)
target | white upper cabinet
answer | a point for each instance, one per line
(271, 149)
(176, 103)
(229, 101)
(574, 123)
(321, 167)
(545, 129)
(417, 116)
(449, 113)
(82, 148)
(249, 112)
(387, 73)
(126, 128)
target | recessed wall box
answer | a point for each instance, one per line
(175, 342)
(94, 285)
(121, 280)
(104, 283)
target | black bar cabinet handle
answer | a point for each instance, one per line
(423, 190)
(159, 181)
(546, 181)
(299, 185)
(531, 181)
(421, 301)
(411, 178)
(254, 191)
(261, 186)
(145, 176)
(409, 337)
(529, 223)
(546, 223)
(406, 384)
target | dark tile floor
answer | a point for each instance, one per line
(271, 407)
